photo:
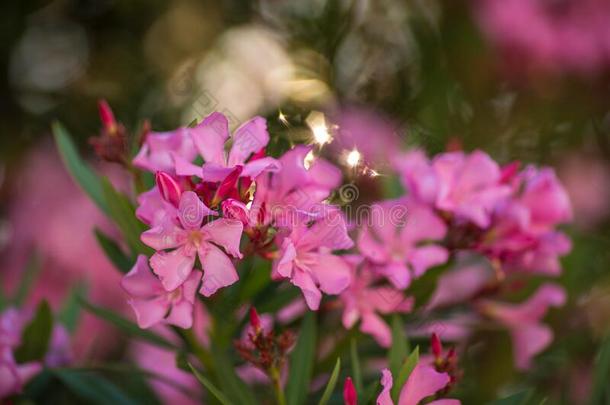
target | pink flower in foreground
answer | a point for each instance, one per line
(469, 185)
(364, 302)
(153, 304)
(529, 336)
(395, 240)
(306, 258)
(189, 238)
(424, 381)
(209, 138)
(295, 191)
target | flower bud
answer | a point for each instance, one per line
(255, 320)
(106, 116)
(350, 397)
(169, 188)
(437, 346)
(234, 209)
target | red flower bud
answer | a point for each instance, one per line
(350, 397)
(233, 209)
(106, 116)
(255, 320)
(437, 346)
(169, 188)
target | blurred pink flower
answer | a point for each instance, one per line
(551, 37)
(189, 238)
(306, 257)
(362, 301)
(45, 197)
(529, 335)
(468, 185)
(14, 376)
(373, 134)
(587, 181)
(152, 304)
(424, 381)
(396, 238)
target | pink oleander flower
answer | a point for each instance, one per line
(161, 149)
(466, 185)
(423, 382)
(529, 335)
(396, 240)
(306, 257)
(522, 235)
(469, 185)
(537, 36)
(188, 238)
(209, 138)
(296, 191)
(365, 302)
(152, 304)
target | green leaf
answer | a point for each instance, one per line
(356, 370)
(122, 212)
(332, 382)
(602, 374)
(36, 336)
(398, 351)
(209, 386)
(32, 269)
(71, 308)
(126, 325)
(405, 371)
(82, 174)
(92, 388)
(301, 361)
(230, 383)
(114, 252)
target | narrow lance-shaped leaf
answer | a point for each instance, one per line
(301, 361)
(404, 373)
(399, 350)
(356, 370)
(113, 252)
(82, 174)
(92, 387)
(332, 382)
(36, 335)
(209, 386)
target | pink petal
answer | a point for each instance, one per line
(459, 285)
(423, 382)
(528, 341)
(332, 273)
(225, 233)
(267, 164)
(192, 210)
(421, 224)
(385, 397)
(149, 312)
(140, 281)
(249, 138)
(376, 327)
(311, 293)
(181, 314)
(165, 235)
(186, 168)
(371, 248)
(210, 137)
(284, 264)
(397, 273)
(218, 270)
(422, 258)
(152, 208)
(173, 268)
(214, 172)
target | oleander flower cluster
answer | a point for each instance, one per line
(222, 226)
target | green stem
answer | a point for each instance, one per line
(277, 385)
